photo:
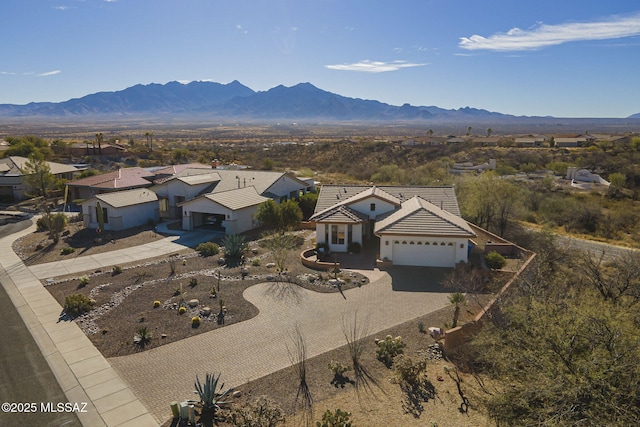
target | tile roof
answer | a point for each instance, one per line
(420, 217)
(13, 165)
(341, 214)
(444, 197)
(237, 198)
(200, 179)
(119, 199)
(175, 169)
(123, 178)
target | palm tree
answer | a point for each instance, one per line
(457, 299)
(468, 130)
(99, 138)
(489, 131)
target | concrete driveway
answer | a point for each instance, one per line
(248, 350)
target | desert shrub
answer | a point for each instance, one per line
(263, 412)
(208, 249)
(84, 280)
(142, 336)
(116, 270)
(235, 245)
(335, 419)
(77, 304)
(338, 368)
(182, 310)
(193, 282)
(195, 321)
(354, 247)
(494, 260)
(156, 304)
(67, 251)
(407, 371)
(255, 262)
(389, 348)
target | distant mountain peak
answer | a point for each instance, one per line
(235, 100)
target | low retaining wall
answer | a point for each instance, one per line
(455, 337)
(314, 264)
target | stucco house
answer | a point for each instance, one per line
(418, 226)
(121, 209)
(119, 180)
(12, 185)
(226, 199)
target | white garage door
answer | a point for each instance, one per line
(433, 254)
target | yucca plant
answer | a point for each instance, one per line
(235, 246)
(142, 337)
(211, 396)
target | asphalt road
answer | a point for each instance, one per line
(25, 376)
(595, 248)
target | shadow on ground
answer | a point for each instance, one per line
(419, 279)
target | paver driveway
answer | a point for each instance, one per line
(257, 347)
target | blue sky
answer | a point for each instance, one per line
(565, 58)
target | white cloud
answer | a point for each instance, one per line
(542, 35)
(49, 73)
(367, 66)
(7, 73)
(63, 8)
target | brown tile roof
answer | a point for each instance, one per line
(419, 217)
(122, 178)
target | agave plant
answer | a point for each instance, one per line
(142, 336)
(211, 396)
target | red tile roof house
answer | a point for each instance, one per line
(122, 179)
(416, 226)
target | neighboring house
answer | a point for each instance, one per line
(231, 211)
(530, 141)
(213, 207)
(416, 225)
(80, 150)
(122, 179)
(569, 142)
(12, 185)
(121, 209)
(493, 141)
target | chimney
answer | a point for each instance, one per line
(215, 163)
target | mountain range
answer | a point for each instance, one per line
(234, 100)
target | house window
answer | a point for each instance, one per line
(337, 234)
(349, 233)
(373, 207)
(326, 233)
(105, 217)
(164, 205)
(461, 245)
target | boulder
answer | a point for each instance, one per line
(193, 303)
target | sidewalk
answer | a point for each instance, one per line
(160, 247)
(82, 372)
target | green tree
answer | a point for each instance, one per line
(38, 177)
(290, 214)
(494, 260)
(281, 217)
(489, 201)
(307, 203)
(26, 145)
(99, 140)
(268, 215)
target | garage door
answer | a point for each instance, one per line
(430, 254)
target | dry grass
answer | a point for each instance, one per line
(383, 405)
